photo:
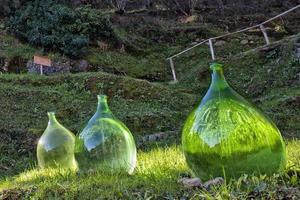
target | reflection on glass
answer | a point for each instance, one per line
(106, 143)
(56, 146)
(227, 136)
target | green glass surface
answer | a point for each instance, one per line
(56, 146)
(227, 136)
(106, 143)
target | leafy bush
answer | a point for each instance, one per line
(56, 27)
(7, 7)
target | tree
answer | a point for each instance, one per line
(56, 27)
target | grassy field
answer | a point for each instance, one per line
(156, 177)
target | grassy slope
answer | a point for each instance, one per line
(146, 108)
(159, 168)
(73, 97)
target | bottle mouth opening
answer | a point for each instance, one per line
(216, 67)
(51, 114)
(102, 98)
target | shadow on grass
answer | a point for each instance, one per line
(156, 176)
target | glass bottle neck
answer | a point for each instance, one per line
(52, 118)
(218, 80)
(102, 104)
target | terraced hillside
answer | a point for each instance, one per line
(137, 81)
(267, 76)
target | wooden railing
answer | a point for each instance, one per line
(210, 40)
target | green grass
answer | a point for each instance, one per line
(155, 178)
(11, 48)
(146, 108)
(151, 67)
(27, 98)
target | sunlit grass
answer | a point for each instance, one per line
(154, 168)
(155, 177)
(293, 149)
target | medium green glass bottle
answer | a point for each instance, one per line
(227, 136)
(55, 148)
(106, 143)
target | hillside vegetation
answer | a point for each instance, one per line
(146, 108)
(131, 68)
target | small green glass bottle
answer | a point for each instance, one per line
(55, 148)
(106, 143)
(227, 136)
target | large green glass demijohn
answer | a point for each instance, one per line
(227, 136)
(106, 143)
(55, 148)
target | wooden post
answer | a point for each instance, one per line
(264, 31)
(42, 61)
(173, 70)
(41, 70)
(211, 47)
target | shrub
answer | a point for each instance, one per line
(56, 27)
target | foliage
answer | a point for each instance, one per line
(23, 51)
(8, 7)
(270, 80)
(57, 27)
(155, 178)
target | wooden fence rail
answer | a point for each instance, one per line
(210, 40)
